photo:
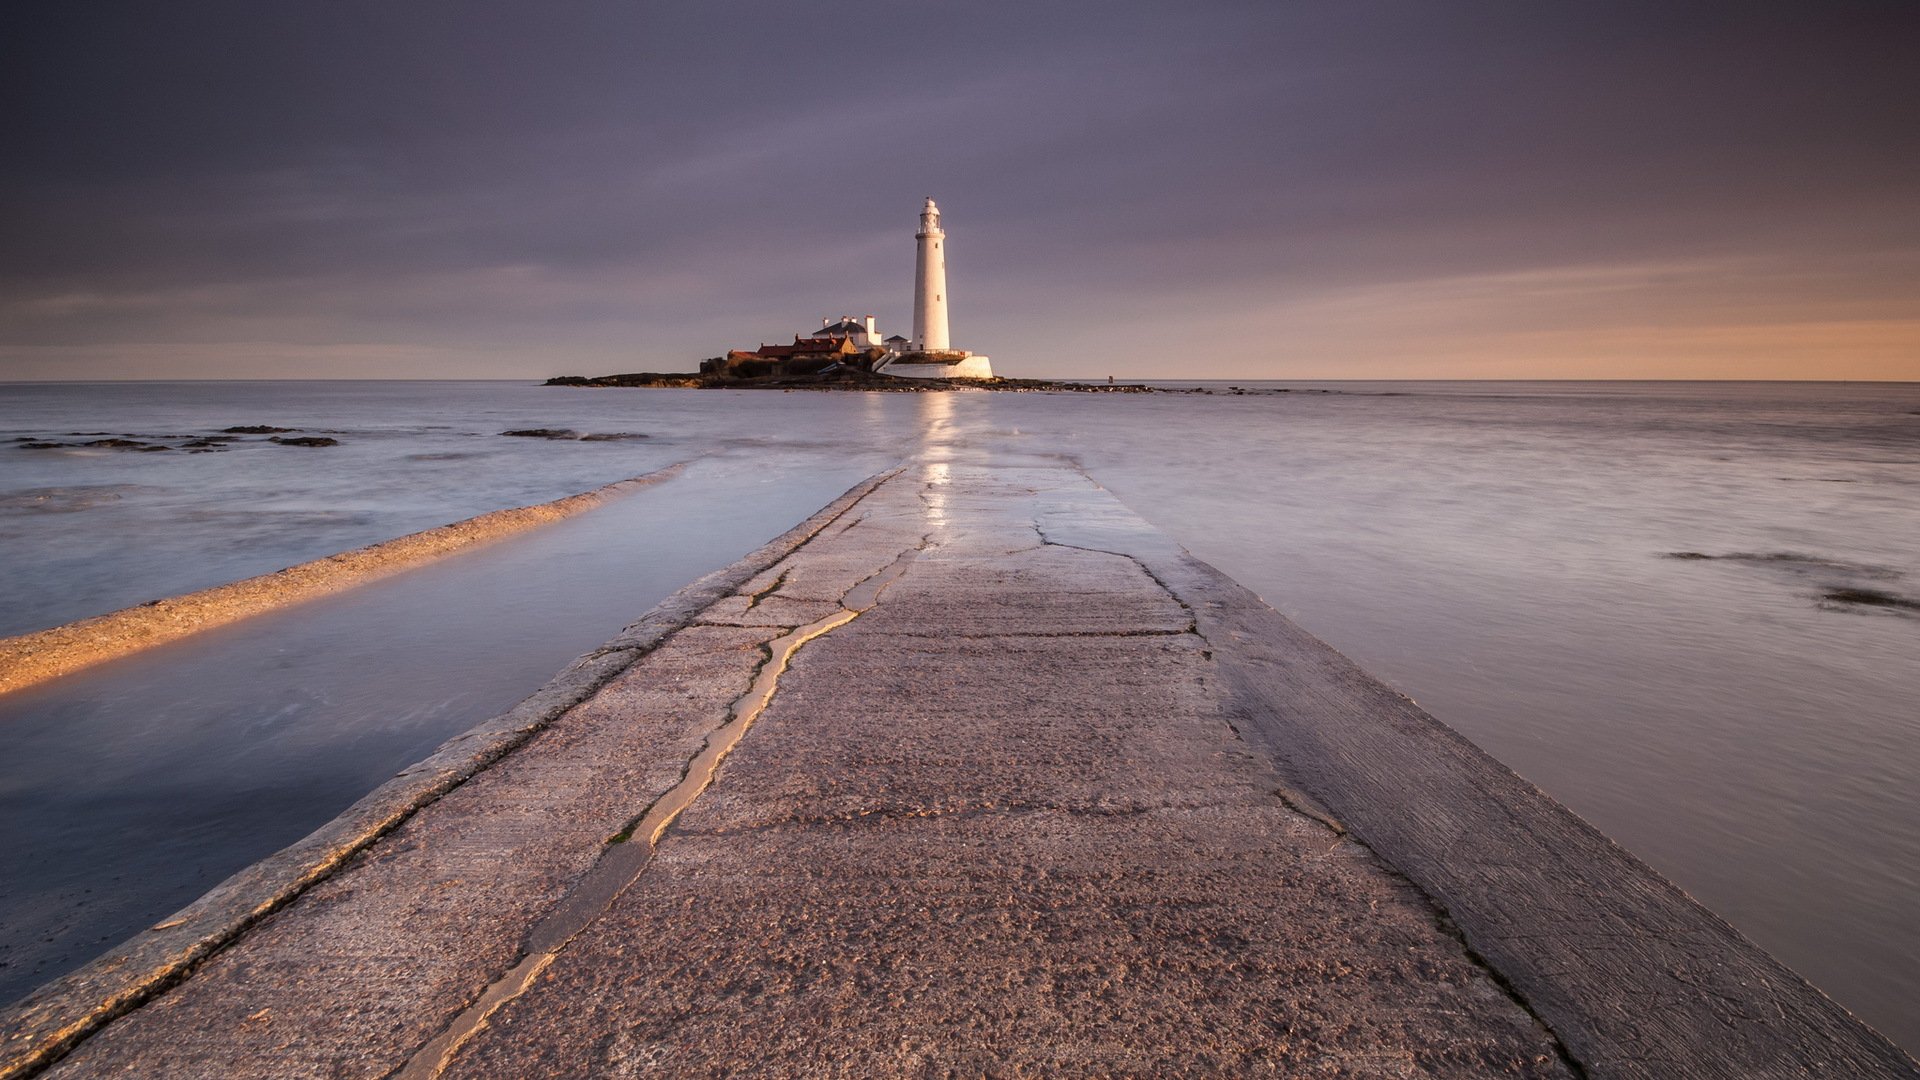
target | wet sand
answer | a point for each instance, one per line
(28, 659)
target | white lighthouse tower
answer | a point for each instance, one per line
(931, 354)
(930, 283)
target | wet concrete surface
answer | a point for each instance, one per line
(999, 817)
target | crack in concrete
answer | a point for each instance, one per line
(1043, 634)
(624, 861)
(867, 593)
(41, 1032)
(880, 815)
(1443, 917)
(753, 599)
(634, 824)
(1300, 804)
(1193, 618)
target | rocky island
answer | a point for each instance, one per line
(783, 376)
(849, 353)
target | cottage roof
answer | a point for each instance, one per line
(843, 328)
(809, 346)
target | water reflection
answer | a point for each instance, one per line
(936, 420)
(936, 455)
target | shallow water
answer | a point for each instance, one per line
(138, 785)
(86, 530)
(1504, 558)
(1501, 552)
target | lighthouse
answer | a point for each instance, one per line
(931, 355)
(930, 283)
(851, 341)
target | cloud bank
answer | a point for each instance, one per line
(1214, 189)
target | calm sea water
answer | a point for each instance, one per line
(1503, 552)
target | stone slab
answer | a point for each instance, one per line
(1025, 856)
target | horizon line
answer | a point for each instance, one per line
(1050, 378)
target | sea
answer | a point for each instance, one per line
(1688, 611)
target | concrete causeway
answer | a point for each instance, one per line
(976, 775)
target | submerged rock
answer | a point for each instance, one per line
(1871, 598)
(309, 440)
(543, 433)
(612, 436)
(257, 429)
(1793, 562)
(62, 500)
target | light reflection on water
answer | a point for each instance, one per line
(1498, 551)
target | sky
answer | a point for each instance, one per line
(1205, 189)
